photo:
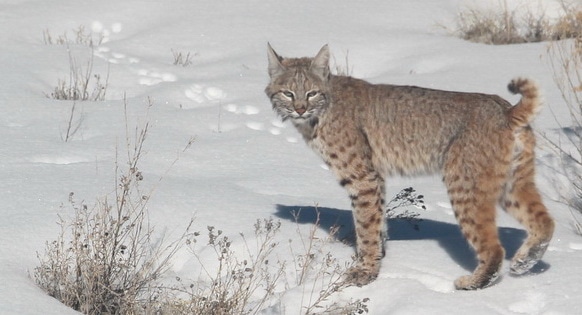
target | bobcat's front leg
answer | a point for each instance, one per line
(366, 190)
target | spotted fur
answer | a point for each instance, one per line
(481, 144)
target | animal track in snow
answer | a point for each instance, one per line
(247, 109)
(146, 77)
(104, 33)
(250, 110)
(118, 55)
(275, 131)
(255, 125)
(201, 94)
(197, 93)
(194, 92)
(106, 54)
(58, 159)
(277, 125)
(154, 77)
(98, 27)
(214, 93)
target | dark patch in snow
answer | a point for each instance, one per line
(448, 235)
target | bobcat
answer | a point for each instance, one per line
(481, 144)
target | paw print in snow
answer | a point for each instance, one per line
(248, 110)
(153, 77)
(200, 94)
(104, 52)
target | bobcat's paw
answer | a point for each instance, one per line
(470, 282)
(524, 260)
(360, 276)
(521, 266)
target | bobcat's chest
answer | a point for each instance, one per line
(327, 145)
(328, 139)
(312, 134)
(317, 145)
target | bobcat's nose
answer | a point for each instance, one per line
(300, 110)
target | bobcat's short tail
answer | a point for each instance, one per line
(525, 111)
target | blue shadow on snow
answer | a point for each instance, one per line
(448, 235)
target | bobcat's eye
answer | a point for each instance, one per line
(311, 94)
(289, 94)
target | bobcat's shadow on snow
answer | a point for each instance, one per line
(447, 235)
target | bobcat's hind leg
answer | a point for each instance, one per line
(525, 204)
(522, 200)
(474, 184)
(477, 222)
(366, 190)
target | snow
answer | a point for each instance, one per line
(244, 164)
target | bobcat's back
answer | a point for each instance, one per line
(408, 128)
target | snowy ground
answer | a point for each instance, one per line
(244, 164)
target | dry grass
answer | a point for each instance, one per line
(504, 26)
(566, 62)
(245, 281)
(317, 272)
(105, 261)
(73, 123)
(182, 59)
(107, 258)
(80, 36)
(234, 285)
(344, 69)
(82, 84)
(570, 24)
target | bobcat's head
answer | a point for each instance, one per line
(299, 87)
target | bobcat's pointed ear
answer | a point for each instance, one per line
(275, 66)
(320, 64)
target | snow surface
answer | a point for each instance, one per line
(244, 164)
